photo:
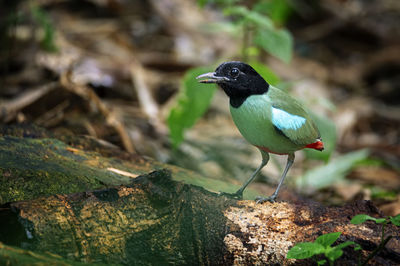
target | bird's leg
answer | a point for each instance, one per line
(272, 198)
(239, 194)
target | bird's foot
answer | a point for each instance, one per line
(236, 195)
(262, 199)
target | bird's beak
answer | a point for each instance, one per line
(211, 77)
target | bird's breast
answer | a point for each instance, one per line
(254, 120)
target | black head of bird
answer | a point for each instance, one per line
(237, 79)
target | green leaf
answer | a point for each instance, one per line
(346, 244)
(321, 262)
(395, 220)
(278, 10)
(43, 19)
(328, 132)
(218, 27)
(277, 42)
(332, 172)
(249, 16)
(202, 3)
(305, 250)
(372, 162)
(193, 100)
(361, 218)
(252, 51)
(265, 72)
(334, 253)
(379, 193)
(327, 239)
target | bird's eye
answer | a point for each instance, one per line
(234, 72)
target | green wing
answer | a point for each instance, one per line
(291, 119)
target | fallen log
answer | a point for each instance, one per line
(155, 220)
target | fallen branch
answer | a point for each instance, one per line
(146, 100)
(111, 118)
(9, 109)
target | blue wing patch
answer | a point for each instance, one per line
(284, 120)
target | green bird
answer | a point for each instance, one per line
(267, 117)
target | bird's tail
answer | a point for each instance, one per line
(318, 145)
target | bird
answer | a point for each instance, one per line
(266, 116)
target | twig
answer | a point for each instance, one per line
(8, 110)
(146, 100)
(53, 116)
(110, 117)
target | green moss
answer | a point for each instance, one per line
(15, 256)
(33, 167)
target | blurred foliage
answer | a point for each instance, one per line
(379, 193)
(37, 18)
(259, 25)
(325, 175)
(192, 102)
(278, 10)
(277, 42)
(42, 18)
(266, 73)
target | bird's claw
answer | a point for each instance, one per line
(260, 200)
(236, 195)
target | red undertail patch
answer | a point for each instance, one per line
(318, 145)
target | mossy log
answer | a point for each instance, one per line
(155, 220)
(10, 255)
(143, 214)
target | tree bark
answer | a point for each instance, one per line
(156, 220)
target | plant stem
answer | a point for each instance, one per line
(245, 44)
(379, 248)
